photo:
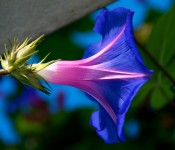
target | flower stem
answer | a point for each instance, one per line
(162, 69)
(4, 72)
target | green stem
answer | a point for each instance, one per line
(162, 69)
(4, 72)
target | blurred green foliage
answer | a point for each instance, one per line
(161, 45)
(71, 131)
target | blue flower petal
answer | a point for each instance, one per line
(106, 128)
(119, 100)
(121, 55)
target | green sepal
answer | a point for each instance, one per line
(15, 63)
(26, 49)
(39, 67)
(23, 60)
(32, 79)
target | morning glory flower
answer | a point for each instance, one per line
(111, 73)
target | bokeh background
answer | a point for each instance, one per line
(31, 120)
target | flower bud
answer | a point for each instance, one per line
(15, 62)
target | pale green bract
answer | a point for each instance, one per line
(15, 62)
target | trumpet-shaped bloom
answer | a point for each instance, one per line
(111, 72)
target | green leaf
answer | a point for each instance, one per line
(142, 94)
(161, 44)
(158, 100)
(153, 15)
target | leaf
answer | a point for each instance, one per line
(158, 100)
(153, 15)
(142, 94)
(161, 44)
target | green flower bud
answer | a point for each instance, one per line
(15, 63)
(26, 49)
